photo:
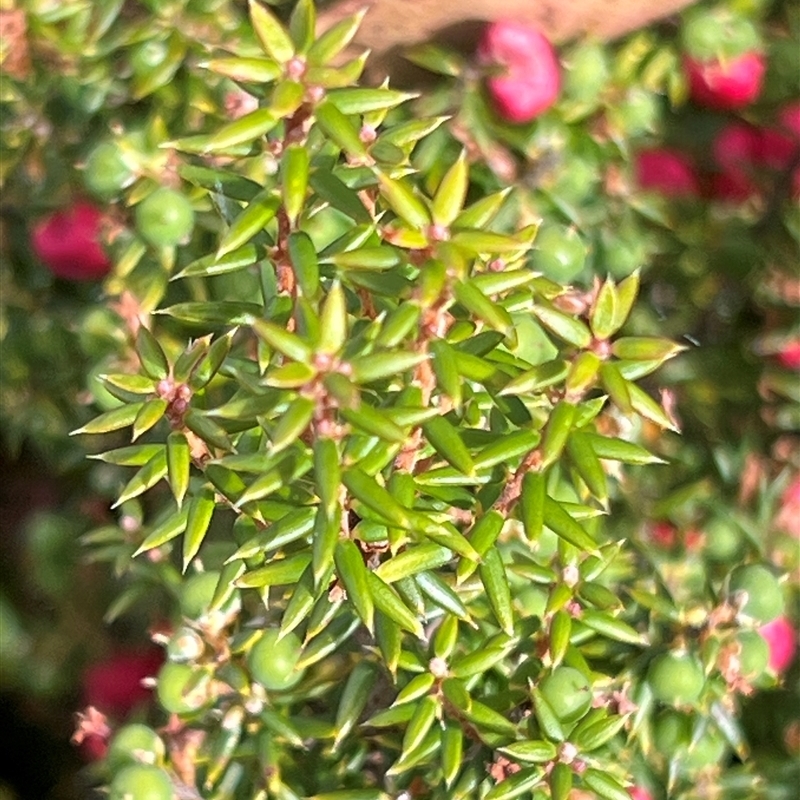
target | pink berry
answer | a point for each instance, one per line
(67, 243)
(530, 78)
(789, 356)
(733, 83)
(791, 494)
(639, 793)
(782, 640)
(666, 171)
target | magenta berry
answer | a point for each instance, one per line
(734, 83)
(668, 172)
(529, 79)
(789, 355)
(68, 243)
(781, 637)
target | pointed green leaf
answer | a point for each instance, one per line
(508, 448)
(530, 751)
(209, 266)
(452, 753)
(274, 39)
(377, 366)
(604, 785)
(627, 291)
(246, 70)
(560, 781)
(352, 573)
(546, 717)
(244, 131)
(419, 724)
(147, 477)
(475, 301)
(388, 602)
(292, 424)
(375, 422)
(611, 627)
(449, 198)
(279, 572)
(227, 184)
(132, 456)
(374, 496)
(201, 509)
(587, 463)
(178, 465)
(149, 415)
(333, 320)
(556, 432)
(617, 387)
(404, 202)
(356, 692)
(440, 593)
(285, 342)
(209, 431)
(328, 641)
(171, 528)
(645, 406)
(300, 603)
(603, 316)
(329, 188)
(446, 370)
(294, 180)
(328, 45)
(495, 581)
(562, 524)
(371, 258)
(412, 560)
(260, 211)
(327, 529)
(339, 129)
(327, 472)
(594, 736)
(571, 330)
(293, 375)
(302, 24)
(483, 211)
(645, 348)
(151, 355)
(482, 536)
(446, 441)
(111, 420)
(613, 449)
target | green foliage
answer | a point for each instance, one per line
(397, 480)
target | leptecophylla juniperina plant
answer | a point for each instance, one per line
(374, 471)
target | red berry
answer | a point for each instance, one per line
(115, 685)
(94, 748)
(774, 149)
(530, 81)
(733, 83)
(789, 356)
(733, 187)
(782, 640)
(639, 793)
(736, 146)
(663, 533)
(668, 172)
(789, 118)
(68, 243)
